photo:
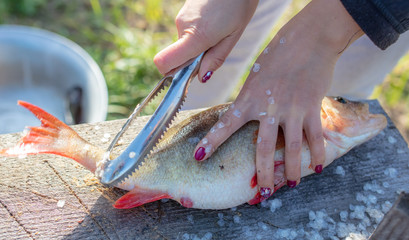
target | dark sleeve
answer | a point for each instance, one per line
(381, 20)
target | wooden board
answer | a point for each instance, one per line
(31, 188)
(394, 225)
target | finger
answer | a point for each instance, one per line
(215, 57)
(178, 53)
(293, 144)
(313, 132)
(266, 143)
(223, 129)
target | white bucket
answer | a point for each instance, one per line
(50, 71)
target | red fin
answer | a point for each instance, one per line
(279, 181)
(40, 139)
(53, 136)
(47, 120)
(186, 202)
(139, 196)
(256, 199)
(277, 164)
(253, 181)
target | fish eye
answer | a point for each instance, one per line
(340, 99)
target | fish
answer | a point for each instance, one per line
(227, 179)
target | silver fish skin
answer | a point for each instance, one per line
(227, 179)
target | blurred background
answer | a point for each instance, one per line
(122, 36)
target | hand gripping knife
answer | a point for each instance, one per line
(113, 172)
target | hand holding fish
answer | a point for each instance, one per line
(225, 180)
(285, 88)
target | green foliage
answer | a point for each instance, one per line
(20, 7)
(129, 69)
(96, 7)
(123, 36)
(153, 11)
(394, 96)
(397, 88)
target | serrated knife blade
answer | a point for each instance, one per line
(113, 172)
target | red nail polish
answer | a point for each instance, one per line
(207, 76)
(265, 193)
(200, 153)
(318, 168)
(291, 184)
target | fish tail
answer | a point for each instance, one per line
(53, 136)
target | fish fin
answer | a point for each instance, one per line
(38, 139)
(186, 202)
(253, 181)
(53, 136)
(255, 200)
(279, 181)
(139, 196)
(47, 120)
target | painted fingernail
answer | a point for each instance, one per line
(265, 193)
(200, 153)
(318, 168)
(291, 184)
(207, 76)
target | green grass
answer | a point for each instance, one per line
(393, 95)
(395, 89)
(124, 35)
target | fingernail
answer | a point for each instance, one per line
(265, 193)
(291, 184)
(318, 168)
(207, 76)
(200, 153)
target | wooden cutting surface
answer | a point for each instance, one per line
(52, 197)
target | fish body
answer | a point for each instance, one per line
(227, 179)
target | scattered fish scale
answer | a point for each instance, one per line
(374, 187)
(174, 155)
(355, 223)
(322, 226)
(391, 172)
(171, 172)
(340, 171)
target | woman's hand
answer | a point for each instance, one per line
(285, 88)
(206, 25)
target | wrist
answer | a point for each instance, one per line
(324, 24)
(338, 28)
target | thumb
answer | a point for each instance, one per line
(178, 53)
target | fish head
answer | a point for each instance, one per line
(349, 123)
